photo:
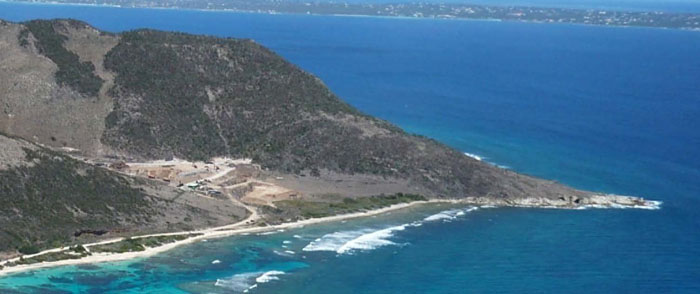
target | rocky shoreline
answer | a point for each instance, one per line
(572, 202)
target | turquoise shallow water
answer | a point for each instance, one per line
(607, 109)
(436, 249)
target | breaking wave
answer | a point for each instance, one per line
(238, 283)
(448, 215)
(481, 158)
(333, 241)
(477, 157)
(242, 283)
(269, 276)
(651, 205)
(371, 240)
(348, 242)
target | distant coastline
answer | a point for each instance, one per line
(451, 11)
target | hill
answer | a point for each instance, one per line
(48, 199)
(150, 95)
(147, 95)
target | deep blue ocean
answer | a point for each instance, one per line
(607, 109)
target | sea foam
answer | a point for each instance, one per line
(347, 242)
(371, 240)
(238, 283)
(477, 157)
(242, 283)
(650, 205)
(269, 276)
(449, 215)
(481, 158)
(333, 241)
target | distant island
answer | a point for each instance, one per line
(658, 19)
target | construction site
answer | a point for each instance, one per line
(235, 179)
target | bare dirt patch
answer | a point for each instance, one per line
(33, 106)
(12, 153)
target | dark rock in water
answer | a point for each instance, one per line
(60, 280)
(97, 279)
(43, 289)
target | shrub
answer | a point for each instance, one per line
(28, 249)
(71, 72)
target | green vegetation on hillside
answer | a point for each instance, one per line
(199, 97)
(43, 205)
(71, 72)
(75, 252)
(139, 244)
(316, 209)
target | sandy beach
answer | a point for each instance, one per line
(241, 227)
(216, 232)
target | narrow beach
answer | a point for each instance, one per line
(216, 232)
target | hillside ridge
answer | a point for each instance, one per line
(197, 97)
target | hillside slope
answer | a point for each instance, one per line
(48, 199)
(150, 95)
